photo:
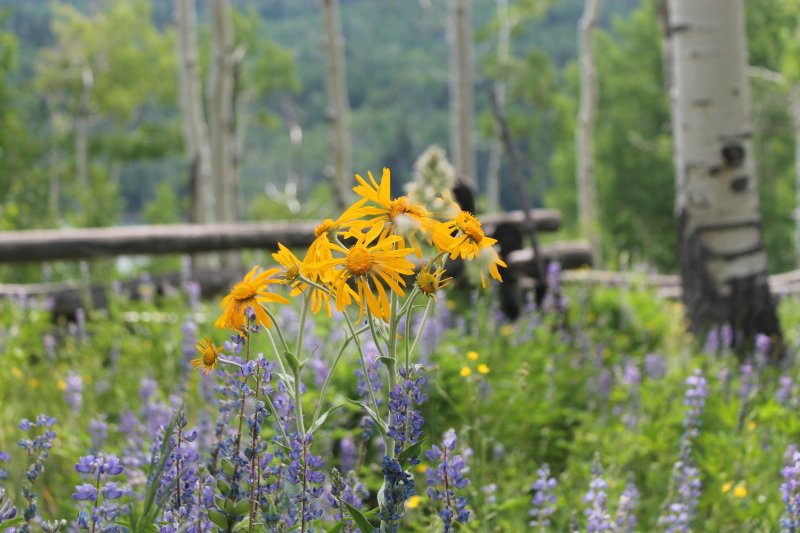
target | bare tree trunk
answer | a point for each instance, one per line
(666, 49)
(82, 131)
(721, 251)
(195, 133)
(222, 126)
(461, 93)
(339, 169)
(794, 107)
(584, 132)
(496, 148)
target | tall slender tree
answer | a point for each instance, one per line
(339, 169)
(462, 81)
(722, 258)
(584, 132)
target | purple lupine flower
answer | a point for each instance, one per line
(98, 431)
(712, 342)
(490, 491)
(785, 390)
(790, 490)
(445, 478)
(655, 366)
(179, 477)
(685, 476)
(726, 336)
(746, 382)
(405, 426)
(7, 510)
(597, 517)
(98, 470)
(398, 486)
(373, 373)
(625, 520)
(543, 504)
(38, 448)
(347, 454)
(346, 489)
(147, 387)
(4, 458)
(73, 391)
(304, 471)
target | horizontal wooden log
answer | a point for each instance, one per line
(94, 243)
(571, 255)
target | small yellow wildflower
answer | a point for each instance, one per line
(16, 372)
(209, 353)
(465, 372)
(33, 383)
(726, 487)
(740, 491)
(430, 282)
(483, 369)
(421, 468)
(751, 425)
(413, 502)
(506, 330)
(250, 292)
(61, 384)
(472, 356)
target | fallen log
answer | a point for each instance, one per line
(94, 243)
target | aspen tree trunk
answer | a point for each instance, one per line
(584, 133)
(82, 131)
(195, 134)
(221, 121)
(721, 251)
(794, 107)
(461, 92)
(496, 149)
(339, 169)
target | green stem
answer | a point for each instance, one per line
(324, 390)
(277, 419)
(278, 353)
(421, 328)
(374, 333)
(363, 361)
(298, 404)
(298, 349)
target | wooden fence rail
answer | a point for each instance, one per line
(94, 243)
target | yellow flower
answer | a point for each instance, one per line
(421, 468)
(413, 502)
(430, 282)
(16, 372)
(250, 292)
(506, 330)
(292, 269)
(471, 243)
(33, 383)
(371, 266)
(726, 487)
(483, 369)
(740, 491)
(472, 356)
(465, 372)
(400, 215)
(61, 384)
(209, 353)
(327, 231)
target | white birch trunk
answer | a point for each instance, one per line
(339, 169)
(195, 133)
(496, 148)
(584, 133)
(461, 93)
(721, 251)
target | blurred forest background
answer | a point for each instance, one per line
(91, 120)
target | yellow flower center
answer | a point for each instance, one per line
(324, 227)
(244, 291)
(292, 272)
(470, 226)
(359, 260)
(398, 207)
(209, 356)
(427, 283)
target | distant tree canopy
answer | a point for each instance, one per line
(397, 70)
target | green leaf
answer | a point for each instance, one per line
(413, 450)
(513, 503)
(360, 520)
(321, 420)
(242, 508)
(8, 524)
(292, 361)
(373, 415)
(218, 518)
(336, 528)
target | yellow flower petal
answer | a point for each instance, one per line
(465, 372)
(413, 502)
(472, 356)
(483, 369)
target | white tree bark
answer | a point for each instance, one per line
(584, 133)
(496, 148)
(339, 169)
(721, 251)
(461, 92)
(194, 125)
